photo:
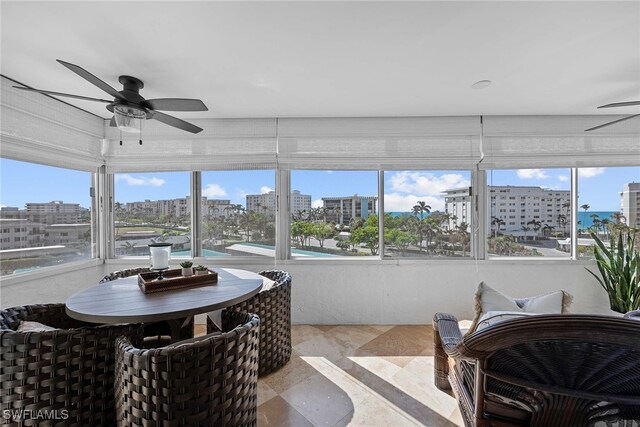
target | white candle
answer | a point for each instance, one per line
(160, 258)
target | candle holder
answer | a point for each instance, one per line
(159, 254)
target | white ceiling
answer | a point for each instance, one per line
(335, 59)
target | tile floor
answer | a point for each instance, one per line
(357, 376)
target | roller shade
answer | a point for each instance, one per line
(224, 144)
(378, 143)
(558, 141)
(40, 129)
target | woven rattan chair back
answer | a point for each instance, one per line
(547, 370)
(66, 374)
(159, 332)
(273, 306)
(209, 381)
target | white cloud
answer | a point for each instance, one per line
(426, 183)
(317, 203)
(394, 202)
(141, 180)
(213, 190)
(563, 178)
(532, 174)
(590, 172)
(265, 190)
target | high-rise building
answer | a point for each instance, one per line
(515, 206)
(630, 203)
(458, 205)
(266, 202)
(55, 212)
(13, 234)
(342, 210)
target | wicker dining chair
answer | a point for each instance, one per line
(563, 370)
(67, 373)
(160, 332)
(273, 306)
(206, 381)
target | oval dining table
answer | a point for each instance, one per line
(122, 301)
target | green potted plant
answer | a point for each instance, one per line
(186, 268)
(619, 267)
(201, 270)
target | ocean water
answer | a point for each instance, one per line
(584, 218)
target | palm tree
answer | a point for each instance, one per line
(420, 208)
(536, 226)
(526, 230)
(498, 222)
(586, 208)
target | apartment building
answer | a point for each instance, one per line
(458, 205)
(516, 206)
(342, 209)
(630, 203)
(180, 208)
(55, 212)
(266, 202)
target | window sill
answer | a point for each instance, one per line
(45, 272)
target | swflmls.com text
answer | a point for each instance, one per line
(29, 414)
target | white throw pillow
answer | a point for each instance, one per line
(492, 317)
(490, 300)
(28, 326)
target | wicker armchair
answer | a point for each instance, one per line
(546, 370)
(210, 380)
(160, 332)
(273, 306)
(67, 372)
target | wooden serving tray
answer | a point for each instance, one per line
(173, 279)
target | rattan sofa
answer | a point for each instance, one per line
(159, 332)
(206, 381)
(67, 373)
(273, 306)
(543, 371)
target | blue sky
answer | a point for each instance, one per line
(22, 182)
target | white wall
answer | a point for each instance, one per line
(375, 292)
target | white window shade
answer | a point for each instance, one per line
(40, 129)
(378, 143)
(224, 144)
(558, 141)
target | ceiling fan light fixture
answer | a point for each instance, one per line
(128, 118)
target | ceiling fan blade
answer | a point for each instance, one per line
(175, 122)
(68, 95)
(620, 104)
(93, 79)
(611, 123)
(177, 104)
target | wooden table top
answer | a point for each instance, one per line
(122, 301)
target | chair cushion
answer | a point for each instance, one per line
(490, 300)
(29, 326)
(267, 284)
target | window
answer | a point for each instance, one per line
(427, 213)
(337, 214)
(38, 204)
(608, 202)
(525, 233)
(238, 213)
(152, 207)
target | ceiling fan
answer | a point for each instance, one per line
(128, 106)
(616, 104)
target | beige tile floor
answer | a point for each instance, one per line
(357, 376)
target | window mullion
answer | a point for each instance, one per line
(196, 214)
